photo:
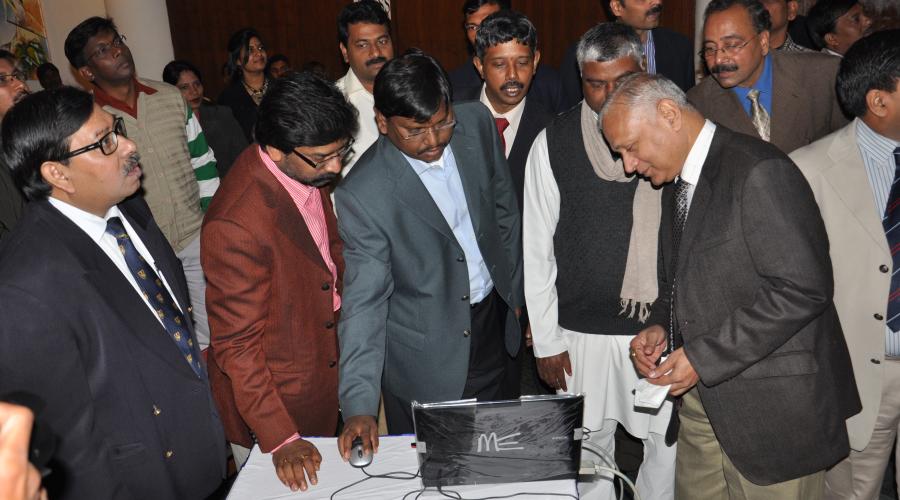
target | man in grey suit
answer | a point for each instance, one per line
(787, 99)
(433, 279)
(756, 347)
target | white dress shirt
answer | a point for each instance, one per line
(95, 228)
(693, 165)
(364, 102)
(513, 116)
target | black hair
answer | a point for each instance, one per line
(823, 16)
(11, 59)
(413, 85)
(274, 59)
(505, 26)
(364, 11)
(759, 16)
(872, 63)
(38, 129)
(78, 38)
(303, 109)
(471, 6)
(174, 69)
(238, 42)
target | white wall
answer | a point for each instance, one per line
(145, 22)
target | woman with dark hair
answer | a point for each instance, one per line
(222, 130)
(247, 67)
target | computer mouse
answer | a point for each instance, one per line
(358, 457)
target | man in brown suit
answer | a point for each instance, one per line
(786, 99)
(273, 262)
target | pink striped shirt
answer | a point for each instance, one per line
(309, 203)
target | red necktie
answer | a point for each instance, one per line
(502, 123)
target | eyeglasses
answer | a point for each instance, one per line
(729, 50)
(103, 50)
(7, 79)
(107, 144)
(345, 153)
(420, 132)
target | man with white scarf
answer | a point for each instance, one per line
(590, 237)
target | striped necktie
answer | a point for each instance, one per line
(891, 222)
(156, 293)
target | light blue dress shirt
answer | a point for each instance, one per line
(763, 84)
(444, 184)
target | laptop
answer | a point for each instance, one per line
(533, 438)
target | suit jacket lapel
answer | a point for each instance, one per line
(288, 218)
(409, 189)
(700, 200)
(786, 100)
(737, 119)
(847, 176)
(120, 297)
(466, 155)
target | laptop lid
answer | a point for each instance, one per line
(534, 438)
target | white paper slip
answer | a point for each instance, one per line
(647, 395)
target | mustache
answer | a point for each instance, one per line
(656, 9)
(376, 60)
(133, 161)
(512, 84)
(723, 68)
(322, 180)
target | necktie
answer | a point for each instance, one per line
(758, 115)
(154, 290)
(681, 212)
(891, 222)
(502, 123)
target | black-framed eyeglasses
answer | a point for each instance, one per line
(103, 50)
(7, 78)
(107, 144)
(345, 153)
(730, 50)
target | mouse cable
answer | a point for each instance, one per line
(398, 475)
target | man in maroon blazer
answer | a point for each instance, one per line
(273, 263)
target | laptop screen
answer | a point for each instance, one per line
(534, 438)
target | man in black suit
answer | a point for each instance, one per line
(95, 313)
(465, 79)
(756, 346)
(666, 52)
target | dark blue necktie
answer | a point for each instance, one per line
(156, 293)
(891, 223)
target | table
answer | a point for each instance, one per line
(257, 480)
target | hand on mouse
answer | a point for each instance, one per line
(362, 426)
(296, 461)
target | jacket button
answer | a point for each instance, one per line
(467, 332)
(332, 364)
(460, 259)
(464, 297)
(326, 286)
(156, 411)
(190, 309)
(883, 268)
(876, 361)
(878, 316)
(169, 453)
(329, 324)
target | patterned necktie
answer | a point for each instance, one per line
(156, 293)
(758, 115)
(891, 222)
(502, 123)
(681, 212)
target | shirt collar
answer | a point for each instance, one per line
(94, 226)
(690, 172)
(829, 51)
(104, 99)
(352, 83)
(303, 190)
(513, 116)
(878, 146)
(420, 167)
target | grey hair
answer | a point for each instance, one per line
(607, 42)
(644, 90)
